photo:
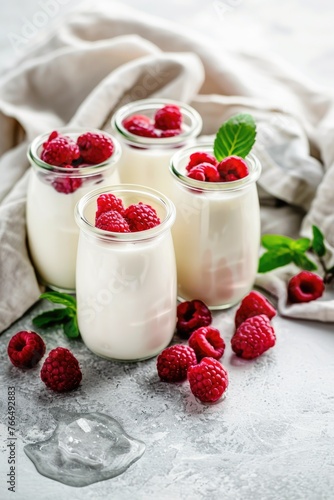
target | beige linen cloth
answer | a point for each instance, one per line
(101, 58)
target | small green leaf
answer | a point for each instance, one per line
(301, 245)
(302, 261)
(318, 244)
(275, 241)
(60, 298)
(51, 318)
(235, 137)
(71, 329)
(274, 258)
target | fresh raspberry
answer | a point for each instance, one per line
(112, 221)
(136, 119)
(232, 168)
(60, 151)
(140, 125)
(200, 157)
(52, 136)
(204, 172)
(253, 337)
(192, 314)
(207, 342)
(95, 148)
(61, 371)
(173, 362)
(168, 117)
(208, 380)
(26, 349)
(171, 132)
(252, 305)
(305, 286)
(107, 202)
(141, 217)
(66, 184)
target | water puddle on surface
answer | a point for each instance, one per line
(85, 448)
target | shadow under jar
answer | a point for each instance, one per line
(52, 195)
(126, 282)
(216, 233)
(145, 160)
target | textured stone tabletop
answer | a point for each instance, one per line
(271, 438)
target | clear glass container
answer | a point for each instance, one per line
(126, 282)
(145, 160)
(52, 195)
(216, 233)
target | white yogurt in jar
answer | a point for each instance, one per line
(216, 234)
(126, 282)
(145, 161)
(52, 231)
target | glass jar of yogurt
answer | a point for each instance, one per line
(53, 192)
(126, 282)
(216, 233)
(145, 160)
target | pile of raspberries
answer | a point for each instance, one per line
(199, 360)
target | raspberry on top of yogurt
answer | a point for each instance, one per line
(112, 216)
(166, 122)
(233, 141)
(62, 151)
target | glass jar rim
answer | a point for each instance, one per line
(142, 105)
(36, 161)
(132, 237)
(251, 160)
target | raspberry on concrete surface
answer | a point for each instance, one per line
(253, 304)
(192, 314)
(25, 349)
(61, 371)
(207, 342)
(208, 380)
(174, 361)
(253, 337)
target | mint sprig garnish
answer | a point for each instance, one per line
(65, 316)
(282, 250)
(235, 137)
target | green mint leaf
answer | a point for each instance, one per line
(301, 245)
(235, 137)
(318, 244)
(71, 329)
(51, 318)
(302, 261)
(60, 298)
(272, 259)
(275, 241)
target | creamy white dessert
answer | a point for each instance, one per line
(145, 160)
(126, 282)
(51, 228)
(52, 231)
(216, 234)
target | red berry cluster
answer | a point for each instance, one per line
(112, 216)
(62, 151)
(199, 361)
(167, 122)
(205, 167)
(60, 371)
